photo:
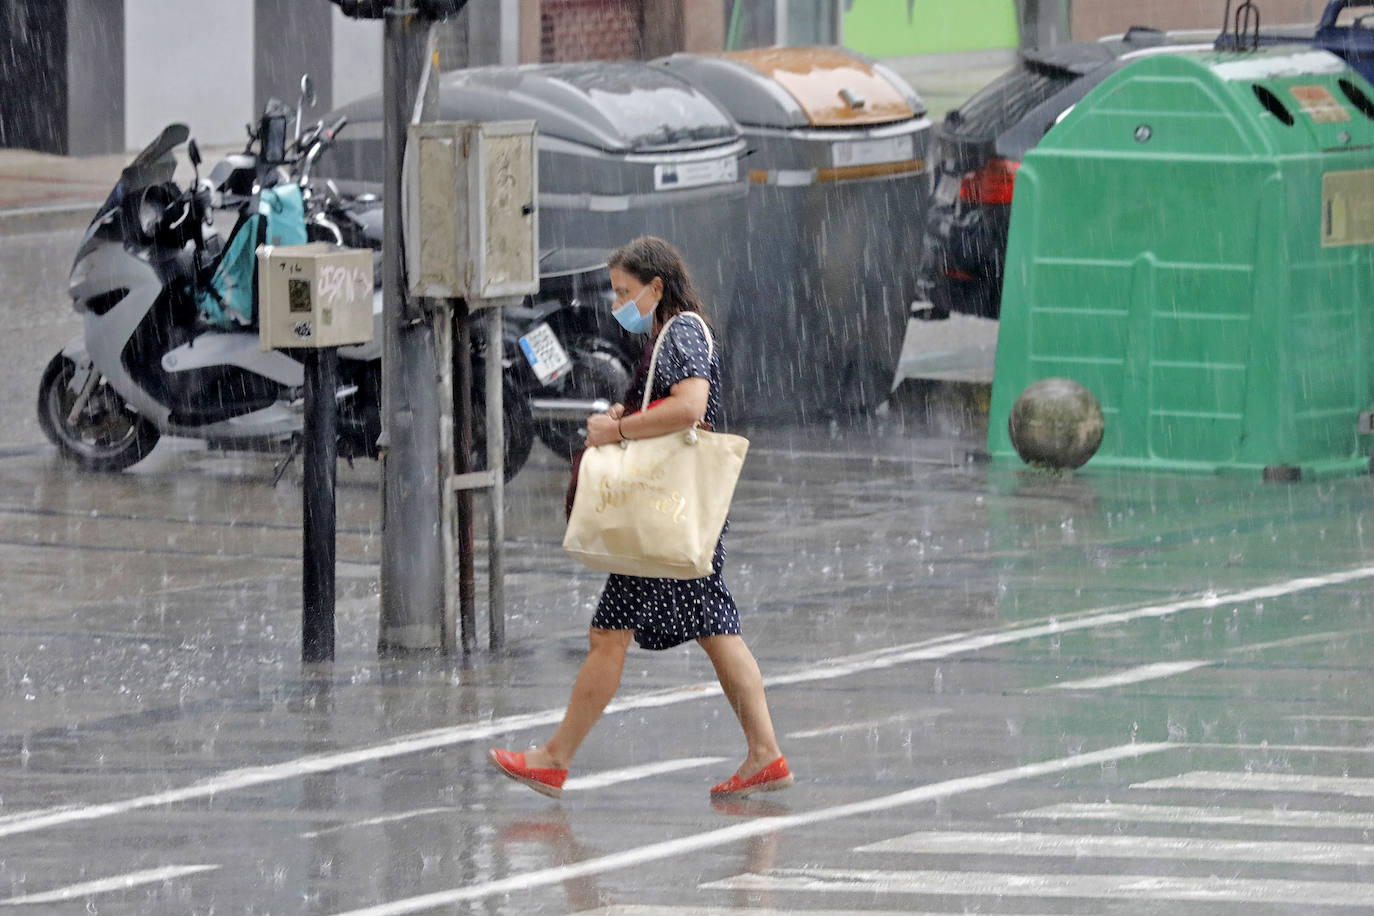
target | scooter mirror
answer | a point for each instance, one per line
(193, 152)
(307, 100)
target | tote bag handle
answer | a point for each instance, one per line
(658, 345)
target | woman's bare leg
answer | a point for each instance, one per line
(742, 682)
(596, 683)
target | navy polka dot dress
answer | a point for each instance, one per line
(668, 612)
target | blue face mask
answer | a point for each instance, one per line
(631, 319)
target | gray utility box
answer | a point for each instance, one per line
(625, 149)
(312, 296)
(838, 187)
(471, 226)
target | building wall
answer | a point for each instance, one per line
(590, 30)
(1094, 18)
(291, 38)
(95, 78)
(902, 28)
(33, 75)
(357, 58)
(190, 61)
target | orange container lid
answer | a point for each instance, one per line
(832, 87)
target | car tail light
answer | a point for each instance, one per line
(992, 184)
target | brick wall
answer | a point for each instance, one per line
(590, 30)
(1094, 18)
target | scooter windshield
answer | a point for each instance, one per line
(155, 164)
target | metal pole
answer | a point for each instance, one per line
(413, 596)
(462, 397)
(448, 464)
(496, 457)
(321, 465)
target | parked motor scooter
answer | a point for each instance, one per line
(168, 346)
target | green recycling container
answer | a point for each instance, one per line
(1194, 243)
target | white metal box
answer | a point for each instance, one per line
(471, 226)
(315, 295)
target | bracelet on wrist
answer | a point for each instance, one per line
(620, 429)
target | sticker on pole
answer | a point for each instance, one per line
(545, 354)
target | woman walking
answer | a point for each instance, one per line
(651, 288)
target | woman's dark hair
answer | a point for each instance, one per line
(647, 257)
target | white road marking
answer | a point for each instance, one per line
(634, 909)
(1293, 641)
(941, 647)
(756, 827)
(1136, 888)
(1153, 672)
(965, 643)
(1126, 847)
(917, 716)
(374, 821)
(1329, 718)
(1265, 782)
(107, 885)
(1282, 748)
(628, 774)
(1189, 814)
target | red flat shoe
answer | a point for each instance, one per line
(769, 779)
(544, 780)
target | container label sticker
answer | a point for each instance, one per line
(872, 152)
(674, 175)
(1348, 208)
(1319, 104)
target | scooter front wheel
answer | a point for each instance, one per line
(106, 435)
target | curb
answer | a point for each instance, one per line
(46, 219)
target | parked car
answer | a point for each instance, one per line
(980, 147)
(1346, 29)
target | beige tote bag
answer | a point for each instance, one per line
(655, 507)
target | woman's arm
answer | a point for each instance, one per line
(685, 405)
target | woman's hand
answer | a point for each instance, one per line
(602, 429)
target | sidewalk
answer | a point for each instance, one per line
(41, 192)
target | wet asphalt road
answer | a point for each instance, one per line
(1002, 692)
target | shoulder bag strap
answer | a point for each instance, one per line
(658, 345)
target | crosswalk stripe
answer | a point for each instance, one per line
(375, 821)
(674, 848)
(1265, 782)
(1311, 718)
(106, 885)
(1187, 814)
(1136, 888)
(920, 715)
(1132, 676)
(643, 909)
(628, 774)
(1126, 847)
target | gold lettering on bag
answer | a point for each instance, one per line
(640, 489)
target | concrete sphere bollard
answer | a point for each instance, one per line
(1056, 422)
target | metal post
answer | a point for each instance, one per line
(443, 346)
(413, 591)
(321, 464)
(462, 397)
(496, 458)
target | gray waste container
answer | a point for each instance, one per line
(625, 149)
(838, 187)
